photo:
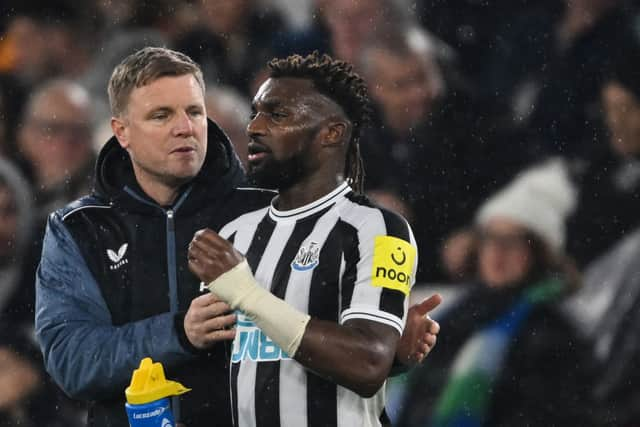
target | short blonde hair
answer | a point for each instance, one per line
(145, 66)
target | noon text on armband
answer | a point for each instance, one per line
(391, 274)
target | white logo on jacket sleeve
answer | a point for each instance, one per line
(118, 259)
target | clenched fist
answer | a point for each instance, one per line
(210, 255)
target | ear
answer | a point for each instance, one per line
(335, 134)
(120, 130)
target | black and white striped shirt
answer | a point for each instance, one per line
(338, 258)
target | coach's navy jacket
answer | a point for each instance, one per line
(113, 285)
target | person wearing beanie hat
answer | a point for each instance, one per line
(539, 199)
(509, 355)
(526, 216)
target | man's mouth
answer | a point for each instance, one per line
(183, 150)
(256, 157)
(256, 151)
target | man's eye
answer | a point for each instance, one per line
(195, 113)
(278, 115)
(159, 116)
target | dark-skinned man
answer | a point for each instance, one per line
(320, 278)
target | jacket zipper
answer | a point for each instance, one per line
(171, 265)
(173, 286)
(171, 261)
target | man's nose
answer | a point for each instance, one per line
(256, 126)
(183, 125)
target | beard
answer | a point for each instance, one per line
(276, 174)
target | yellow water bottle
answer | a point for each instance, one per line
(148, 403)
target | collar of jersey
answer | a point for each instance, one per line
(311, 208)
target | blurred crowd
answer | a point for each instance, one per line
(507, 132)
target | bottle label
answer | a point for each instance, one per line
(153, 414)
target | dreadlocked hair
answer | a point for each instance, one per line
(337, 80)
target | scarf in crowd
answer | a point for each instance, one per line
(466, 396)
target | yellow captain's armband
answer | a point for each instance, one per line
(393, 261)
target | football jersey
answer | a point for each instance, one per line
(338, 258)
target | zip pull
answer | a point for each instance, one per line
(170, 222)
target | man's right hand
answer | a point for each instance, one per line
(206, 321)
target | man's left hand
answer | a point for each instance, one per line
(210, 255)
(420, 332)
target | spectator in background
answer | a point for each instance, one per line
(303, 41)
(123, 27)
(605, 237)
(405, 80)
(541, 83)
(473, 27)
(232, 41)
(422, 148)
(607, 311)
(232, 112)
(42, 42)
(16, 231)
(38, 41)
(28, 398)
(609, 181)
(342, 28)
(607, 174)
(54, 149)
(509, 357)
(171, 18)
(55, 143)
(352, 23)
(24, 50)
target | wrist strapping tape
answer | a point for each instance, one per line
(281, 322)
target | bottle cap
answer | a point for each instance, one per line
(148, 383)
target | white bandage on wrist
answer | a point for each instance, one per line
(281, 322)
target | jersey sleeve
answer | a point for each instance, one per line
(379, 270)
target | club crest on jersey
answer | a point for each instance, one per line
(307, 258)
(118, 259)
